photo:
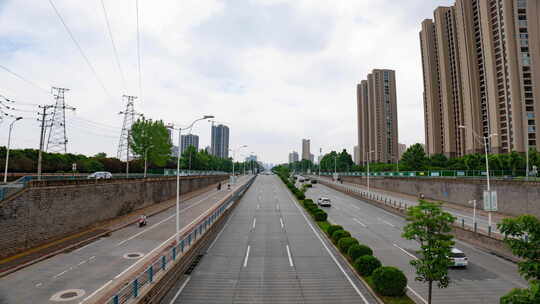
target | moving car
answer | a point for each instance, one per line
(458, 258)
(324, 202)
(313, 181)
(100, 175)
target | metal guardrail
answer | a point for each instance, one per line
(498, 174)
(162, 263)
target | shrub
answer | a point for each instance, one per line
(320, 215)
(358, 250)
(366, 264)
(389, 281)
(308, 201)
(345, 243)
(299, 194)
(338, 234)
(333, 228)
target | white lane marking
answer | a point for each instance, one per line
(290, 258)
(254, 222)
(361, 224)
(247, 256)
(258, 206)
(60, 274)
(166, 219)
(416, 294)
(92, 257)
(277, 207)
(329, 252)
(39, 284)
(219, 234)
(82, 263)
(387, 223)
(336, 207)
(406, 252)
(281, 222)
(87, 245)
(180, 290)
(95, 292)
(356, 207)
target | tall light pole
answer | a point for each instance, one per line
(9, 142)
(178, 174)
(485, 138)
(234, 156)
(368, 161)
(145, 158)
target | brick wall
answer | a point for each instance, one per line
(52, 209)
(514, 197)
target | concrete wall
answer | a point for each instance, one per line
(49, 210)
(514, 197)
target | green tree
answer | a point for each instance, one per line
(522, 235)
(345, 161)
(414, 158)
(439, 161)
(430, 226)
(151, 136)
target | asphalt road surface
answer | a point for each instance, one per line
(485, 280)
(87, 269)
(268, 252)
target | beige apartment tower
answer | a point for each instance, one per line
(481, 63)
(306, 154)
(377, 118)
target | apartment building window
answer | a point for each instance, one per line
(532, 129)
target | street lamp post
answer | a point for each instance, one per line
(145, 159)
(369, 160)
(7, 152)
(234, 156)
(485, 138)
(178, 176)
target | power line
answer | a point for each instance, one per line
(114, 46)
(80, 49)
(139, 47)
(24, 79)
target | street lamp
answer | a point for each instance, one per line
(7, 152)
(368, 161)
(234, 156)
(178, 174)
(145, 158)
(486, 138)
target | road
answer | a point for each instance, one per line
(268, 252)
(87, 269)
(481, 220)
(485, 280)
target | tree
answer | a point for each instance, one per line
(151, 137)
(522, 235)
(438, 161)
(345, 161)
(430, 227)
(414, 158)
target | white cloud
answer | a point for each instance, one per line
(277, 71)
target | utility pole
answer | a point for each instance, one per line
(129, 118)
(43, 114)
(127, 153)
(57, 141)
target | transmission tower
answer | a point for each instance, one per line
(129, 113)
(57, 140)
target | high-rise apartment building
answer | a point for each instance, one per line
(220, 141)
(377, 118)
(293, 157)
(481, 62)
(306, 154)
(356, 155)
(189, 140)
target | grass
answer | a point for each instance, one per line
(389, 300)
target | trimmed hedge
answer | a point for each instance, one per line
(333, 228)
(366, 265)
(338, 234)
(345, 243)
(320, 215)
(358, 250)
(389, 281)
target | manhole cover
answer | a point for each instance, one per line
(67, 295)
(133, 255)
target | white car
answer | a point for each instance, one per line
(324, 202)
(458, 258)
(100, 175)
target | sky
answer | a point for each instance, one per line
(274, 71)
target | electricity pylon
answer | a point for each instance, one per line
(57, 140)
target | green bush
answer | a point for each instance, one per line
(308, 201)
(389, 281)
(338, 234)
(320, 215)
(366, 265)
(345, 243)
(358, 250)
(333, 228)
(299, 194)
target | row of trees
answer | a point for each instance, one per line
(416, 159)
(147, 137)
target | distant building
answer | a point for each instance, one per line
(189, 140)
(312, 158)
(402, 148)
(220, 141)
(356, 155)
(306, 154)
(293, 157)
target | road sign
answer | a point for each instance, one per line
(490, 200)
(74, 167)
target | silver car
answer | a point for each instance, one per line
(324, 202)
(100, 175)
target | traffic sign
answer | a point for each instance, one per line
(490, 200)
